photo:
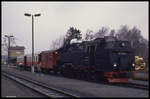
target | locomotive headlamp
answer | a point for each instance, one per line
(115, 65)
(122, 44)
(56, 52)
(133, 64)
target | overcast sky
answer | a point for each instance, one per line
(57, 17)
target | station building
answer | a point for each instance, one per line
(14, 52)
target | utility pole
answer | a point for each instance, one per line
(9, 37)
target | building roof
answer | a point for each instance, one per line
(17, 48)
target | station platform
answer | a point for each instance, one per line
(80, 87)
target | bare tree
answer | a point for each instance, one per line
(58, 43)
(139, 43)
(123, 32)
(112, 32)
(89, 35)
(102, 32)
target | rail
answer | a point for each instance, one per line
(38, 87)
(132, 85)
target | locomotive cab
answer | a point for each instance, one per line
(119, 55)
(120, 60)
(122, 57)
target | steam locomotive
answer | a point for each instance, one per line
(106, 59)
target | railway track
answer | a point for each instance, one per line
(38, 87)
(132, 85)
(139, 86)
(127, 85)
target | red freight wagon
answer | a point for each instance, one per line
(49, 58)
(28, 59)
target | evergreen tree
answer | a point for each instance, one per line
(72, 33)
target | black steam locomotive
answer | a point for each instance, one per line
(100, 59)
